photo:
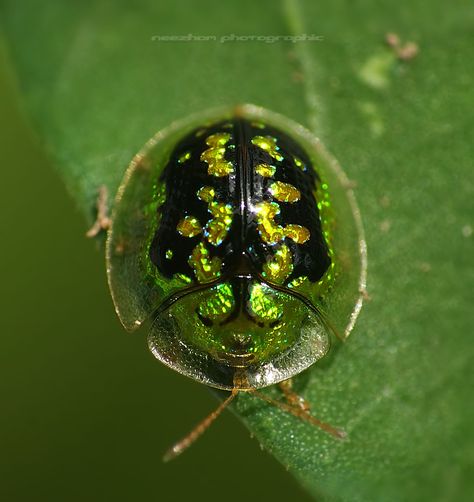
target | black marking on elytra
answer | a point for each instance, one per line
(243, 189)
(182, 181)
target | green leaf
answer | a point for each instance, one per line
(98, 85)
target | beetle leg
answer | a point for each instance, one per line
(301, 414)
(103, 220)
(292, 397)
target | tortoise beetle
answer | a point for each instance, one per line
(223, 236)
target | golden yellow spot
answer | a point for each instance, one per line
(297, 233)
(280, 266)
(214, 156)
(206, 194)
(217, 227)
(271, 232)
(297, 281)
(169, 254)
(265, 170)
(184, 157)
(268, 144)
(205, 268)
(284, 192)
(189, 227)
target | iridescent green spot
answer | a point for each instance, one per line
(268, 144)
(169, 254)
(184, 157)
(258, 125)
(218, 304)
(263, 305)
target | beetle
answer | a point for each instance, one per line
(222, 236)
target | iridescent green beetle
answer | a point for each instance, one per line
(224, 237)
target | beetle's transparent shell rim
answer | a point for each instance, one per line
(135, 299)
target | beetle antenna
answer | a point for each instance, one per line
(302, 414)
(200, 428)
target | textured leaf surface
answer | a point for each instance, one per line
(98, 87)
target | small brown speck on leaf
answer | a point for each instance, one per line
(404, 52)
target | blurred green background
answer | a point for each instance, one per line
(87, 412)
